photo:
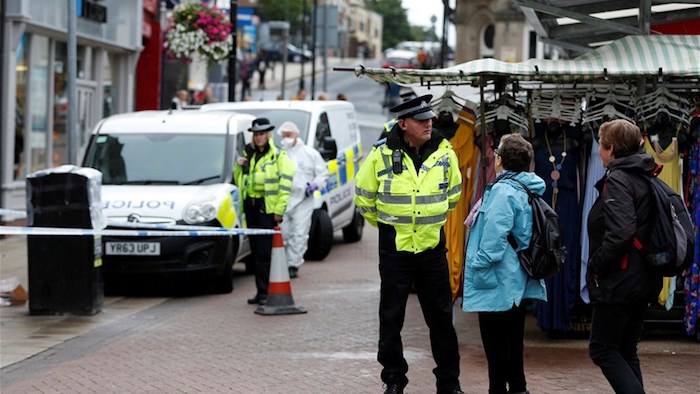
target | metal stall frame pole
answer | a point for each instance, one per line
(314, 19)
(482, 129)
(72, 85)
(232, 58)
(3, 12)
(303, 38)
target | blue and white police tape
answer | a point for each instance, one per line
(190, 230)
(212, 231)
(13, 213)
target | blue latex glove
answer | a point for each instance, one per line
(311, 188)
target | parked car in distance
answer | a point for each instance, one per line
(399, 58)
(296, 54)
(273, 52)
(170, 168)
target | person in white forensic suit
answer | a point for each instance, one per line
(311, 175)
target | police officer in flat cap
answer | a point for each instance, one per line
(263, 174)
(405, 187)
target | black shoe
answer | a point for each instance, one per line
(293, 272)
(393, 388)
(258, 299)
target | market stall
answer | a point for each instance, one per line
(651, 80)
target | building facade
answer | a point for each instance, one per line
(35, 74)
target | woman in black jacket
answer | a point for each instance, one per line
(620, 284)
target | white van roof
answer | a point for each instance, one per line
(174, 122)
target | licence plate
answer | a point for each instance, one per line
(132, 248)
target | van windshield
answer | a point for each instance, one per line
(277, 116)
(158, 159)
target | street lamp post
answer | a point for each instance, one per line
(303, 38)
(313, 52)
(233, 15)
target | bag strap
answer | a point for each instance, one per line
(530, 196)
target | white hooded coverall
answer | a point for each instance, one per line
(310, 169)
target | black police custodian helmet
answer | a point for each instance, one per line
(261, 124)
(417, 108)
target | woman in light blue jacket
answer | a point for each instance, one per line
(495, 284)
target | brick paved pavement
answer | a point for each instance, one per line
(216, 344)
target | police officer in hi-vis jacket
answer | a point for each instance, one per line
(405, 187)
(264, 176)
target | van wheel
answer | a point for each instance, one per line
(353, 231)
(320, 236)
(223, 283)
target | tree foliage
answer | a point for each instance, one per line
(284, 10)
(396, 26)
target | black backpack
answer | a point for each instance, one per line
(670, 247)
(546, 253)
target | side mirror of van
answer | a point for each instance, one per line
(329, 149)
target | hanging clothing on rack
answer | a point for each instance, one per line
(467, 155)
(594, 173)
(563, 289)
(671, 175)
(692, 280)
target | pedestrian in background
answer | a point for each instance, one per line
(262, 66)
(495, 284)
(206, 96)
(405, 187)
(310, 175)
(341, 97)
(300, 96)
(264, 176)
(247, 70)
(181, 99)
(619, 283)
(392, 97)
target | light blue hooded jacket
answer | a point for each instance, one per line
(494, 281)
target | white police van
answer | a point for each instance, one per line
(171, 168)
(331, 128)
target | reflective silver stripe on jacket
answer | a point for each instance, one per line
(409, 219)
(394, 219)
(431, 199)
(287, 177)
(371, 210)
(431, 219)
(392, 199)
(364, 193)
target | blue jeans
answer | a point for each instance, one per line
(615, 332)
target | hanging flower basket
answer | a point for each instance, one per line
(196, 28)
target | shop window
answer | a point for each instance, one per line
(38, 103)
(60, 104)
(323, 129)
(487, 41)
(21, 70)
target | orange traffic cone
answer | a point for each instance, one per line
(279, 292)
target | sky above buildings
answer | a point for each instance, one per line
(420, 11)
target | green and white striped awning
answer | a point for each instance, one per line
(631, 56)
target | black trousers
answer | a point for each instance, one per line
(430, 273)
(615, 332)
(260, 245)
(502, 334)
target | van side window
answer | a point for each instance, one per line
(323, 129)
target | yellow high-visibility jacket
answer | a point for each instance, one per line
(415, 204)
(269, 176)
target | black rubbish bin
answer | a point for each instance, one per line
(65, 272)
